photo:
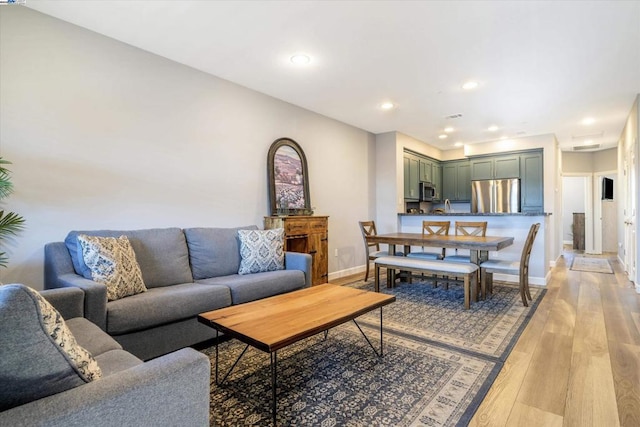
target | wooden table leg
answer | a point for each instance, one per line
(391, 273)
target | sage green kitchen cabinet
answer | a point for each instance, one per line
(481, 168)
(411, 177)
(506, 167)
(495, 167)
(456, 180)
(531, 182)
(436, 174)
(426, 170)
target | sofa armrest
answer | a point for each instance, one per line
(299, 261)
(95, 297)
(59, 273)
(171, 390)
(68, 301)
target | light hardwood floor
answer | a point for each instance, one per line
(578, 361)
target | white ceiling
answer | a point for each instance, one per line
(542, 66)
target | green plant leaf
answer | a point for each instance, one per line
(6, 187)
(10, 224)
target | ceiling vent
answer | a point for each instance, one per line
(588, 136)
(453, 116)
(586, 147)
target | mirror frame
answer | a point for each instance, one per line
(276, 209)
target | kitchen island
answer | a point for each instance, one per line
(514, 225)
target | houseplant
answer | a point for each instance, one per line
(10, 222)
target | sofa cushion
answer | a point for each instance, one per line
(261, 250)
(91, 337)
(214, 252)
(39, 355)
(161, 253)
(250, 287)
(163, 305)
(113, 263)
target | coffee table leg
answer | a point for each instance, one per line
(381, 353)
(217, 339)
(274, 369)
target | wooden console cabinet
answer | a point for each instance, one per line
(306, 234)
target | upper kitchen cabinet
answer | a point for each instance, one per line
(456, 180)
(495, 167)
(436, 175)
(531, 182)
(426, 171)
(411, 177)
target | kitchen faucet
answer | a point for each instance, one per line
(447, 206)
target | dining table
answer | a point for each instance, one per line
(478, 246)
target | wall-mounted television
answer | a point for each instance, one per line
(607, 189)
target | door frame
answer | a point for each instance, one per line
(588, 207)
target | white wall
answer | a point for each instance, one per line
(104, 135)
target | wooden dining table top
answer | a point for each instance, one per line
(486, 243)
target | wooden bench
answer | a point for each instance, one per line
(466, 270)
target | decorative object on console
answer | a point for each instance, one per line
(261, 250)
(113, 263)
(288, 179)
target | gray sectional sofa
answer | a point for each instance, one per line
(39, 387)
(186, 271)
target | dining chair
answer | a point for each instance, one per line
(467, 228)
(368, 228)
(521, 268)
(432, 228)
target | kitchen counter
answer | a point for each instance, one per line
(477, 214)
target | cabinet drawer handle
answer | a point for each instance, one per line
(324, 240)
(312, 252)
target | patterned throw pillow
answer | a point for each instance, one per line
(113, 263)
(53, 324)
(261, 250)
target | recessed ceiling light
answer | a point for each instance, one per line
(387, 105)
(448, 129)
(300, 59)
(588, 121)
(470, 85)
(458, 144)
(443, 136)
(492, 128)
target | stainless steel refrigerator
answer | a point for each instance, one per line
(495, 195)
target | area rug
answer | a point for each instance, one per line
(592, 265)
(439, 362)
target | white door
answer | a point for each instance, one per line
(630, 212)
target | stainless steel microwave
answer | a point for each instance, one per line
(427, 192)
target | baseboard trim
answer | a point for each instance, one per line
(350, 272)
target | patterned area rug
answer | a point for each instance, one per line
(592, 265)
(439, 362)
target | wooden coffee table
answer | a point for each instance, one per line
(273, 323)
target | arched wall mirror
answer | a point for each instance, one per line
(288, 179)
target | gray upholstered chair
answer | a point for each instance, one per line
(42, 384)
(521, 268)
